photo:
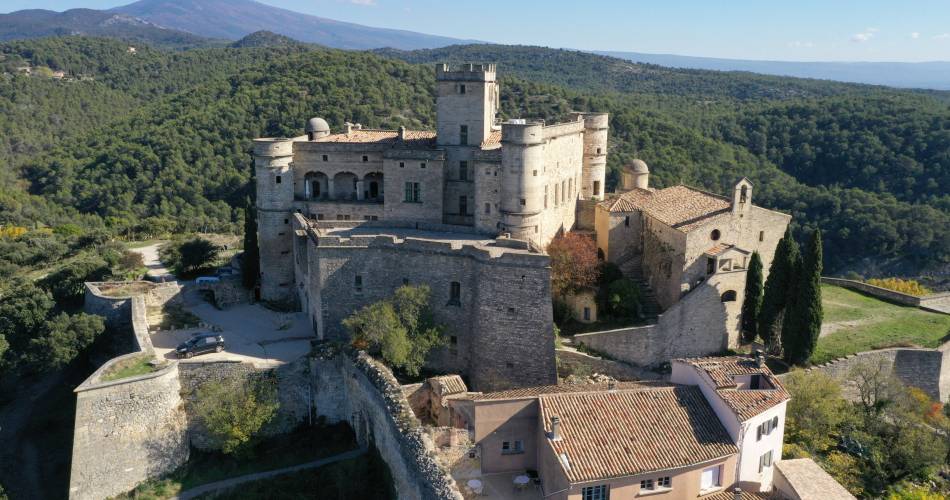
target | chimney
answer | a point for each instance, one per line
(402, 133)
(347, 127)
(738, 493)
(555, 429)
(759, 358)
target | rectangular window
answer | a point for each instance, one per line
(710, 265)
(402, 164)
(596, 188)
(319, 216)
(626, 222)
(358, 283)
(646, 484)
(586, 314)
(455, 294)
(365, 158)
(462, 88)
(761, 235)
(453, 340)
(422, 165)
(286, 221)
(463, 135)
(463, 170)
(663, 482)
(710, 479)
(488, 208)
(765, 461)
(325, 158)
(339, 216)
(557, 194)
(598, 492)
(524, 202)
(412, 192)
(277, 179)
(463, 205)
(512, 447)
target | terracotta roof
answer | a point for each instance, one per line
(533, 392)
(414, 138)
(745, 495)
(723, 248)
(680, 207)
(621, 433)
(493, 140)
(810, 481)
(745, 403)
(448, 384)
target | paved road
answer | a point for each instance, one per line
(234, 481)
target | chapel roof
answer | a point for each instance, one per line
(680, 207)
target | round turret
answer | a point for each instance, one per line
(317, 127)
(636, 174)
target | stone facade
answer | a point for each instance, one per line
(483, 291)
(519, 177)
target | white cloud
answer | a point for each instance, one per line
(363, 2)
(915, 35)
(799, 43)
(861, 37)
(942, 36)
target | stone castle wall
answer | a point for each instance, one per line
(128, 430)
(936, 302)
(926, 369)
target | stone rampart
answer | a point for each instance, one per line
(936, 302)
(926, 369)
(112, 299)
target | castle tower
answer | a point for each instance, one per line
(522, 165)
(595, 155)
(466, 103)
(275, 196)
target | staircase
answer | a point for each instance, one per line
(631, 264)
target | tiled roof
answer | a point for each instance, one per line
(722, 248)
(680, 207)
(809, 480)
(448, 384)
(414, 138)
(620, 433)
(745, 495)
(533, 392)
(745, 403)
(493, 140)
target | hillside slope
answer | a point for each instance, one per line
(234, 19)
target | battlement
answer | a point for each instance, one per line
(522, 131)
(465, 72)
(275, 146)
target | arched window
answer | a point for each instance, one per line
(714, 235)
(729, 296)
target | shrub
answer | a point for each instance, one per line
(910, 287)
(623, 298)
(574, 263)
(235, 409)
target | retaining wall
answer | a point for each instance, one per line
(936, 302)
(926, 369)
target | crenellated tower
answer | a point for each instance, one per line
(522, 168)
(275, 198)
(466, 103)
(595, 155)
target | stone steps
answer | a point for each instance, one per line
(632, 267)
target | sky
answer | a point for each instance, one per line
(791, 30)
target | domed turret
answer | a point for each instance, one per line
(636, 174)
(317, 127)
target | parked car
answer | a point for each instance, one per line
(200, 344)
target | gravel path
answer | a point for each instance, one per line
(234, 481)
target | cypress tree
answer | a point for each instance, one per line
(251, 265)
(781, 275)
(800, 335)
(752, 302)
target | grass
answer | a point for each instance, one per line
(303, 445)
(132, 367)
(126, 289)
(863, 323)
(361, 477)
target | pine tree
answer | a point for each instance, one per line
(776, 291)
(752, 302)
(806, 312)
(252, 263)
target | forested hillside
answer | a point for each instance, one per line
(164, 139)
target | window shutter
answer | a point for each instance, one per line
(775, 422)
(758, 434)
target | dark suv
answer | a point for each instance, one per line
(200, 344)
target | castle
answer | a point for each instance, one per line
(345, 218)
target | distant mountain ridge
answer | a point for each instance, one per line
(38, 23)
(235, 19)
(929, 75)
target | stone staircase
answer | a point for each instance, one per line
(632, 267)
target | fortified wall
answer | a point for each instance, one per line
(696, 325)
(936, 302)
(925, 369)
(492, 295)
(138, 428)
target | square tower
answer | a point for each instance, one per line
(466, 103)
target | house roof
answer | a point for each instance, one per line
(811, 482)
(681, 207)
(493, 140)
(448, 384)
(414, 138)
(533, 392)
(627, 432)
(745, 403)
